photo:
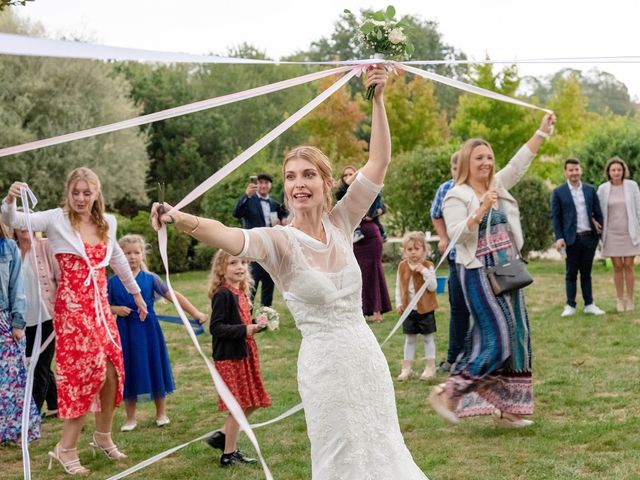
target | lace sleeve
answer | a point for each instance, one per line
(349, 211)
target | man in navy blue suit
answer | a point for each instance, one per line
(577, 223)
(256, 209)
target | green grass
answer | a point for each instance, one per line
(586, 390)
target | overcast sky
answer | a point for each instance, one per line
(504, 29)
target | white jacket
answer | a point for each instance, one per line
(64, 239)
(461, 201)
(631, 201)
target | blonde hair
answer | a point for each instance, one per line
(464, 159)
(416, 238)
(97, 210)
(619, 161)
(218, 268)
(321, 162)
(135, 239)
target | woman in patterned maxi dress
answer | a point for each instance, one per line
(89, 355)
(494, 376)
(343, 377)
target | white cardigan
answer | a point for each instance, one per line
(631, 201)
(64, 239)
(461, 201)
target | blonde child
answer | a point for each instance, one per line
(235, 352)
(413, 271)
(146, 360)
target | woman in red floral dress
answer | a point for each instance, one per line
(234, 349)
(89, 366)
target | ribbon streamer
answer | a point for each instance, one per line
(172, 112)
(22, 45)
(26, 196)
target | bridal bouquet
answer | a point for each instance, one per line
(268, 319)
(385, 35)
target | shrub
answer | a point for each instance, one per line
(533, 197)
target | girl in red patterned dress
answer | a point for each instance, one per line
(89, 366)
(235, 352)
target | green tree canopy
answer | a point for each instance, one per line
(42, 98)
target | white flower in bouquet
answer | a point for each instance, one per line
(396, 36)
(268, 319)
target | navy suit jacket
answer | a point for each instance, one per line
(249, 211)
(564, 215)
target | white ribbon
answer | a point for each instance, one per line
(29, 199)
(173, 112)
(12, 44)
(467, 88)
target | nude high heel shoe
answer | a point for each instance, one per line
(111, 451)
(72, 467)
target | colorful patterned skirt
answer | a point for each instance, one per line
(13, 380)
(495, 369)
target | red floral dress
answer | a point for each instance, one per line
(83, 346)
(242, 376)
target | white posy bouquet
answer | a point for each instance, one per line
(267, 319)
(385, 35)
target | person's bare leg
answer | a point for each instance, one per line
(618, 276)
(130, 409)
(104, 418)
(71, 430)
(231, 429)
(161, 407)
(630, 279)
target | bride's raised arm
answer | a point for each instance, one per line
(380, 143)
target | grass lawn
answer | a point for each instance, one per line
(587, 392)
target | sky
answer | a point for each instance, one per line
(503, 29)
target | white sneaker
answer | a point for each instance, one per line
(593, 309)
(568, 311)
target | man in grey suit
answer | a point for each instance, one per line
(577, 223)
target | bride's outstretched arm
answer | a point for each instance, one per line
(380, 143)
(209, 231)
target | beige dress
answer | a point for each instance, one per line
(618, 242)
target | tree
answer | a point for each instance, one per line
(184, 150)
(414, 117)
(609, 136)
(533, 196)
(411, 184)
(504, 125)
(12, 3)
(41, 98)
(333, 125)
(604, 92)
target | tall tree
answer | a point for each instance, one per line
(504, 125)
(42, 98)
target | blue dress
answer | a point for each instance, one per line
(146, 360)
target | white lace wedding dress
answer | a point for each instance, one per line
(343, 377)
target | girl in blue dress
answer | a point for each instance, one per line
(146, 361)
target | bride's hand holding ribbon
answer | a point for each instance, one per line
(15, 191)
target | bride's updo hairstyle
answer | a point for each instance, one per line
(321, 162)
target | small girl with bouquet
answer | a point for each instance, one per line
(235, 352)
(413, 271)
(146, 360)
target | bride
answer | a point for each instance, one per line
(343, 377)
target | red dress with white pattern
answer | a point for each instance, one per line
(83, 345)
(242, 375)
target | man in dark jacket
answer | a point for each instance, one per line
(577, 223)
(256, 209)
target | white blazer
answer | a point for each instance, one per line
(631, 201)
(64, 239)
(461, 201)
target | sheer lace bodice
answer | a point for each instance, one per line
(343, 377)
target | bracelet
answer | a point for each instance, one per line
(542, 134)
(193, 230)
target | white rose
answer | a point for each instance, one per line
(396, 36)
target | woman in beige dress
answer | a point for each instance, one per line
(620, 204)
